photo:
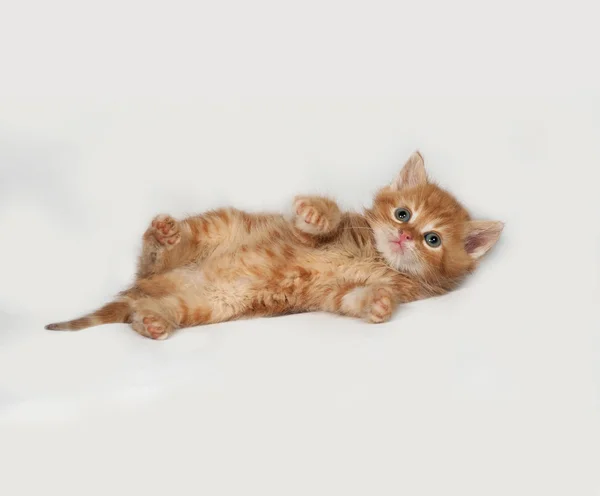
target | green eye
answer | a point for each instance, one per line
(402, 214)
(433, 239)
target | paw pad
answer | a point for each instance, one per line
(165, 230)
(152, 326)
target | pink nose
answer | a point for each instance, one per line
(404, 236)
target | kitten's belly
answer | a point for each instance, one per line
(270, 279)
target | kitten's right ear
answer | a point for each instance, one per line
(412, 174)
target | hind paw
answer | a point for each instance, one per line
(165, 230)
(151, 326)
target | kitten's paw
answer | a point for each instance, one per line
(151, 326)
(374, 304)
(165, 230)
(316, 215)
(380, 306)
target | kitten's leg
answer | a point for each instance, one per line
(169, 243)
(158, 318)
(316, 216)
(159, 307)
(375, 304)
(162, 236)
(179, 298)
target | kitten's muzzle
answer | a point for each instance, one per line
(402, 238)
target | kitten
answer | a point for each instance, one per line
(415, 241)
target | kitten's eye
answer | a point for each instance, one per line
(433, 239)
(402, 214)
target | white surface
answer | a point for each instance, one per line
(492, 390)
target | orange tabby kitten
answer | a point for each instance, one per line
(416, 241)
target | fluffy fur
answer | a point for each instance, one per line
(228, 264)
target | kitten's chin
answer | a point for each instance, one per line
(406, 264)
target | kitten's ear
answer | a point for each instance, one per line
(481, 236)
(412, 174)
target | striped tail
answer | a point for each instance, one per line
(116, 311)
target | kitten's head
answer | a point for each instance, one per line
(423, 230)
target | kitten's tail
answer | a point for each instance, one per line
(113, 312)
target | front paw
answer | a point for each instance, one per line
(374, 304)
(165, 230)
(316, 215)
(380, 306)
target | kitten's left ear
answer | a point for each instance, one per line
(412, 174)
(481, 236)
